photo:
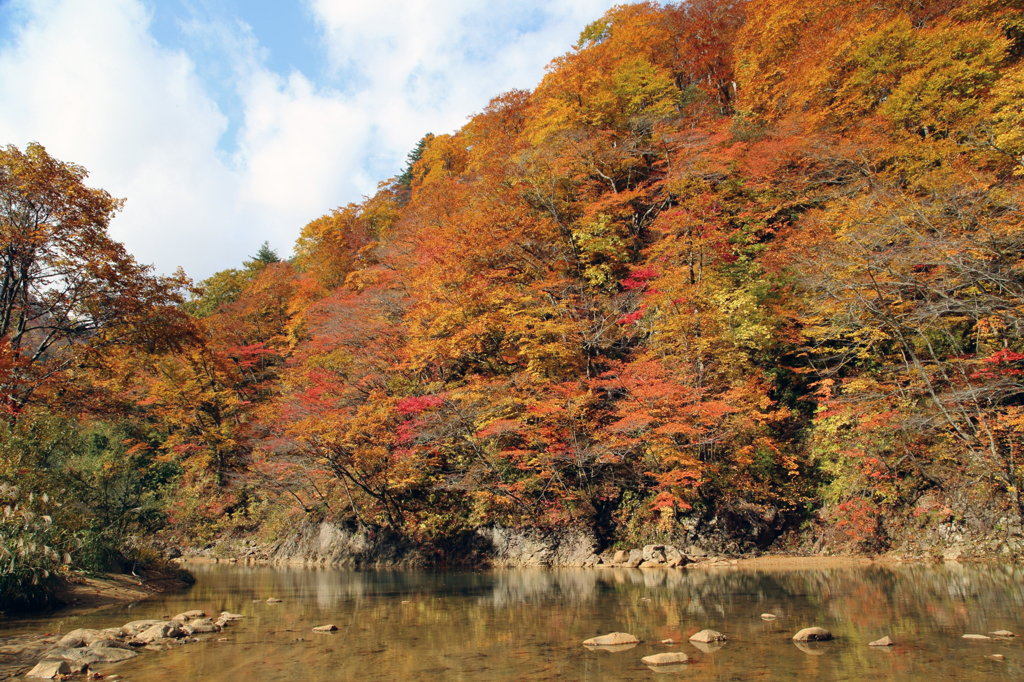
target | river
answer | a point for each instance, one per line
(529, 624)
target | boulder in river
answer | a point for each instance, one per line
(201, 626)
(768, 616)
(168, 630)
(621, 557)
(812, 635)
(707, 636)
(1002, 633)
(273, 601)
(49, 669)
(138, 626)
(325, 628)
(82, 637)
(612, 639)
(110, 644)
(665, 659)
(885, 641)
(231, 616)
(976, 637)
(189, 615)
(91, 655)
(636, 557)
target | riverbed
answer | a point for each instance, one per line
(530, 624)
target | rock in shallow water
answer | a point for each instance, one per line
(885, 641)
(812, 635)
(1002, 633)
(110, 644)
(707, 636)
(91, 655)
(50, 669)
(325, 628)
(83, 637)
(168, 630)
(665, 659)
(612, 639)
(768, 616)
(201, 626)
(189, 615)
(976, 637)
(137, 626)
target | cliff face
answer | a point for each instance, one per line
(329, 544)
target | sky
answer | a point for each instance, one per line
(227, 123)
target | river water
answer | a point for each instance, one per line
(529, 624)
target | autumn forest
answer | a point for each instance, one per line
(750, 262)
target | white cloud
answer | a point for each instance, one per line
(86, 79)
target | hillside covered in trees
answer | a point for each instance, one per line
(752, 262)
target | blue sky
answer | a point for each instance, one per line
(229, 122)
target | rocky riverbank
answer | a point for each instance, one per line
(496, 547)
(80, 652)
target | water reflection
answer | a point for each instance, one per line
(529, 624)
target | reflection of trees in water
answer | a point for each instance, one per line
(529, 624)
(870, 599)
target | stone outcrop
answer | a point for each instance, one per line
(328, 544)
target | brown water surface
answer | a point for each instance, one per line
(529, 624)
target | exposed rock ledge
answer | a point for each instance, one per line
(331, 545)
